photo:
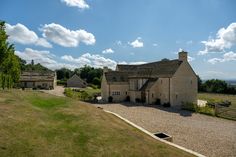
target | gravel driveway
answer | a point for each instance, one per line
(58, 91)
(207, 135)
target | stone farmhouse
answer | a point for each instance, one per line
(165, 81)
(38, 80)
(76, 82)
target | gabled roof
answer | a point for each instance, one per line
(76, 78)
(164, 68)
(116, 76)
(148, 84)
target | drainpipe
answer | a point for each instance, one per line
(169, 90)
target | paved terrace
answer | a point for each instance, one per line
(207, 135)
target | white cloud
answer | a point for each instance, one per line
(230, 56)
(136, 43)
(225, 39)
(132, 63)
(107, 51)
(118, 42)
(189, 42)
(191, 58)
(154, 44)
(65, 37)
(76, 3)
(213, 74)
(91, 60)
(42, 57)
(45, 58)
(21, 34)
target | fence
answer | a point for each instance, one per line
(225, 112)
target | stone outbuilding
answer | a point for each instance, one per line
(165, 81)
(38, 80)
(76, 82)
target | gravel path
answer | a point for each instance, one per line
(210, 136)
(58, 91)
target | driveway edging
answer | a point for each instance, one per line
(153, 136)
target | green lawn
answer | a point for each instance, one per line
(218, 97)
(35, 124)
(92, 91)
(225, 112)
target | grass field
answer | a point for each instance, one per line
(35, 124)
(224, 112)
(218, 97)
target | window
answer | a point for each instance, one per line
(176, 96)
(115, 93)
(160, 94)
(152, 95)
(191, 82)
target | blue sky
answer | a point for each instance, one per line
(72, 33)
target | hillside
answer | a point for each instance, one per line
(38, 124)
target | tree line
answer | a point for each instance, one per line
(90, 74)
(215, 86)
(9, 62)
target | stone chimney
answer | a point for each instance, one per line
(105, 69)
(183, 56)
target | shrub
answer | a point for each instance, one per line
(61, 82)
(188, 106)
(93, 86)
(127, 99)
(138, 100)
(166, 104)
(208, 109)
(110, 99)
(68, 92)
(158, 102)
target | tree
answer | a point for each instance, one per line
(63, 74)
(9, 62)
(96, 81)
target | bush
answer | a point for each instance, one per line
(127, 99)
(93, 86)
(61, 82)
(158, 102)
(137, 100)
(68, 92)
(188, 106)
(110, 99)
(209, 110)
(166, 104)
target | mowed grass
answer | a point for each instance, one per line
(35, 124)
(211, 97)
(225, 112)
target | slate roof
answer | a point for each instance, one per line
(148, 84)
(116, 76)
(151, 71)
(164, 68)
(37, 76)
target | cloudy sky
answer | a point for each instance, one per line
(72, 33)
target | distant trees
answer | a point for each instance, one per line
(90, 74)
(215, 86)
(9, 62)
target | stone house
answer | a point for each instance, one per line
(165, 81)
(38, 80)
(76, 81)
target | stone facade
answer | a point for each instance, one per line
(38, 80)
(166, 81)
